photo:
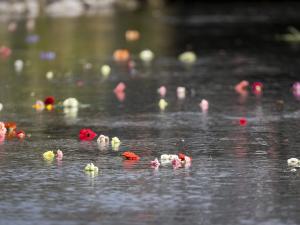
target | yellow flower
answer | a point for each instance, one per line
(49, 155)
(91, 167)
(187, 57)
(162, 104)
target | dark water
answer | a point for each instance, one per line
(238, 174)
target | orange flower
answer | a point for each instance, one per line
(130, 156)
(11, 128)
(121, 55)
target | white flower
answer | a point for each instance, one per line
(102, 139)
(146, 55)
(294, 162)
(105, 70)
(187, 57)
(1, 106)
(181, 92)
(49, 75)
(71, 103)
(19, 64)
(167, 159)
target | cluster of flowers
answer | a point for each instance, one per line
(9, 130)
(49, 104)
(177, 161)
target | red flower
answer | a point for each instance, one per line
(243, 122)
(257, 88)
(20, 134)
(130, 156)
(182, 156)
(49, 100)
(87, 135)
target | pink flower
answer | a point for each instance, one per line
(162, 91)
(155, 163)
(2, 129)
(5, 52)
(204, 105)
(87, 135)
(176, 163)
(241, 88)
(257, 88)
(120, 87)
(59, 155)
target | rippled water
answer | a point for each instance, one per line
(238, 174)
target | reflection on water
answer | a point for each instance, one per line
(238, 173)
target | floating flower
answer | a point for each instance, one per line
(162, 91)
(180, 92)
(176, 163)
(5, 52)
(115, 143)
(2, 129)
(50, 100)
(155, 163)
(49, 155)
(132, 35)
(91, 167)
(20, 134)
(241, 87)
(49, 75)
(146, 55)
(32, 38)
(130, 156)
(167, 159)
(71, 103)
(296, 90)
(187, 57)
(162, 104)
(11, 128)
(121, 55)
(120, 87)
(293, 162)
(292, 36)
(105, 70)
(48, 55)
(204, 105)
(39, 105)
(1, 107)
(243, 121)
(103, 140)
(257, 88)
(59, 154)
(87, 135)
(19, 64)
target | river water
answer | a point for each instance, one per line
(239, 174)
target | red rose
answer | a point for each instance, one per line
(49, 100)
(87, 135)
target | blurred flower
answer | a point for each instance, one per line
(39, 105)
(50, 100)
(1, 107)
(91, 167)
(155, 163)
(71, 103)
(162, 91)
(146, 55)
(87, 135)
(121, 55)
(105, 70)
(167, 159)
(11, 128)
(162, 104)
(49, 155)
(59, 155)
(130, 156)
(176, 163)
(48, 55)
(49, 75)
(204, 105)
(296, 90)
(180, 92)
(187, 57)
(293, 162)
(5, 52)
(2, 129)
(32, 38)
(243, 121)
(102, 139)
(257, 88)
(20, 134)
(292, 36)
(241, 88)
(19, 64)
(115, 143)
(132, 35)
(120, 87)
